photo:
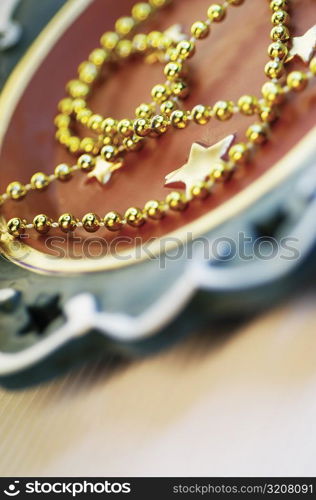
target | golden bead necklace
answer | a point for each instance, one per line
(199, 182)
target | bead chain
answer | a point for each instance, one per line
(256, 134)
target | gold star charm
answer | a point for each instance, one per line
(303, 46)
(103, 170)
(175, 33)
(202, 161)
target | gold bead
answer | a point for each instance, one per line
(278, 50)
(154, 39)
(179, 119)
(239, 153)
(16, 190)
(157, 4)
(86, 162)
(267, 113)
(155, 209)
(113, 221)
(201, 114)
(124, 25)
(124, 49)
(248, 104)
(219, 173)
(83, 115)
(176, 201)
(76, 88)
(216, 12)
(63, 172)
(273, 92)
(62, 135)
(140, 42)
(125, 128)
(132, 143)
(62, 121)
(109, 127)
(180, 89)
(257, 133)
(185, 49)
(39, 181)
(99, 57)
(312, 66)
(144, 110)
(167, 107)
(88, 72)
(109, 40)
(95, 123)
(142, 127)
(141, 11)
(87, 144)
(91, 222)
(279, 4)
(223, 110)
(159, 124)
(280, 17)
(200, 191)
(200, 29)
(274, 69)
(67, 223)
(65, 106)
(172, 70)
(16, 227)
(280, 32)
(109, 152)
(235, 2)
(134, 217)
(160, 93)
(297, 81)
(42, 223)
(73, 144)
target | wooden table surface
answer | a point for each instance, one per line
(243, 405)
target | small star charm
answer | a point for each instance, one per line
(303, 46)
(103, 170)
(202, 161)
(175, 33)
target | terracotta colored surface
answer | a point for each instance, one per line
(227, 65)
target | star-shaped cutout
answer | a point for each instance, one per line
(175, 33)
(103, 170)
(202, 161)
(303, 46)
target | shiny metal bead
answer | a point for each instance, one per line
(280, 17)
(76, 88)
(155, 209)
(160, 93)
(235, 2)
(157, 4)
(267, 113)
(109, 126)
(144, 110)
(180, 89)
(134, 217)
(159, 124)
(109, 152)
(63, 172)
(39, 181)
(67, 223)
(312, 66)
(16, 227)
(280, 32)
(167, 107)
(239, 153)
(132, 143)
(179, 119)
(279, 5)
(95, 123)
(201, 114)
(87, 144)
(273, 92)
(16, 190)
(185, 49)
(65, 106)
(257, 133)
(142, 127)
(125, 127)
(278, 50)
(83, 115)
(216, 12)
(42, 223)
(297, 81)
(200, 191)
(86, 162)
(172, 70)
(223, 110)
(109, 40)
(141, 11)
(113, 221)
(124, 25)
(200, 29)
(99, 57)
(274, 69)
(248, 105)
(124, 49)
(177, 201)
(140, 43)
(91, 222)
(88, 72)
(62, 121)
